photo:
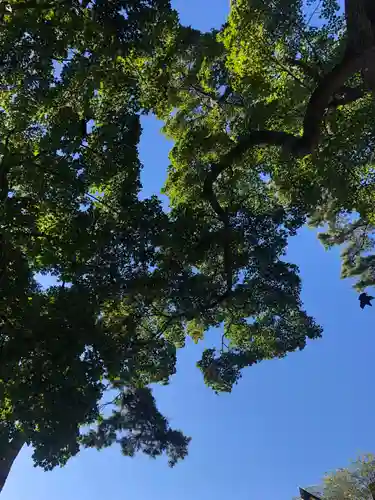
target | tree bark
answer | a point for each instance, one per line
(360, 23)
(360, 20)
(8, 457)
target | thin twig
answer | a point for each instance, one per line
(314, 12)
(102, 406)
(284, 68)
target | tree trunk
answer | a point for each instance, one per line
(360, 22)
(8, 457)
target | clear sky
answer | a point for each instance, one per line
(285, 424)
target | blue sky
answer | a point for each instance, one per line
(285, 424)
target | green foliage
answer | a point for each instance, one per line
(251, 163)
(267, 79)
(69, 206)
(147, 430)
(353, 483)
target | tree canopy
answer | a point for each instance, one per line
(69, 127)
(282, 98)
(271, 119)
(357, 482)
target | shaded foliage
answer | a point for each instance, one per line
(69, 123)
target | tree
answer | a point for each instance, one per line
(275, 95)
(69, 183)
(132, 280)
(353, 483)
(126, 291)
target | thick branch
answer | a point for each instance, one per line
(318, 103)
(320, 99)
(256, 137)
(347, 95)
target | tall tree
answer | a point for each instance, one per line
(69, 183)
(251, 163)
(132, 281)
(357, 482)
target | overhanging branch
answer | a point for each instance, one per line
(320, 98)
(323, 97)
(255, 138)
(347, 95)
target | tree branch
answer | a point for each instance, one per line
(256, 137)
(306, 68)
(346, 95)
(112, 402)
(286, 69)
(320, 98)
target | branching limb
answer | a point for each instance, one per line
(293, 76)
(115, 400)
(308, 70)
(322, 95)
(256, 137)
(347, 95)
(319, 102)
